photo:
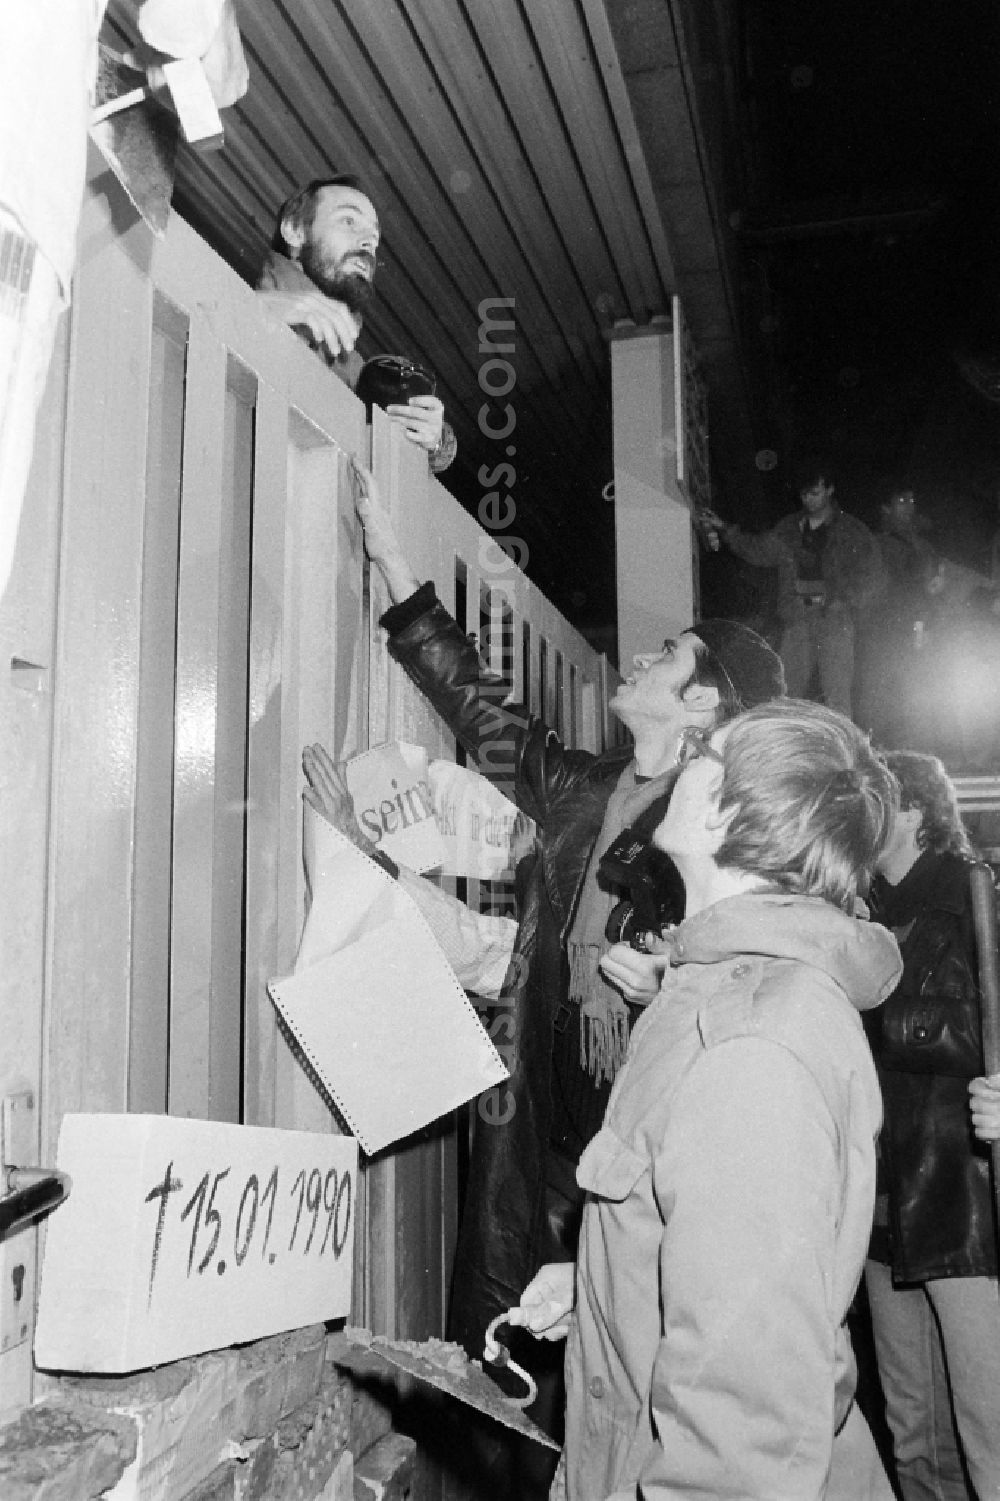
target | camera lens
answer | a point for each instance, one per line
(621, 927)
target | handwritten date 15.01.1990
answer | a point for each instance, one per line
(208, 1216)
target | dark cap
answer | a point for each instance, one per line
(752, 666)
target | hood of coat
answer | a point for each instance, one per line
(860, 956)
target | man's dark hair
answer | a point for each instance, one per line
(924, 784)
(301, 206)
(812, 469)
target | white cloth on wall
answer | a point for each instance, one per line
(48, 62)
(30, 305)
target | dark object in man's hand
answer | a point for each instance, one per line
(655, 889)
(391, 379)
(625, 925)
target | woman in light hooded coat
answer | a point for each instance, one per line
(730, 1191)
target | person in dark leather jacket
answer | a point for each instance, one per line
(932, 1275)
(523, 1204)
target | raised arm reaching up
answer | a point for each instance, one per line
(381, 543)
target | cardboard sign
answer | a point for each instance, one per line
(393, 803)
(387, 1030)
(484, 833)
(181, 1236)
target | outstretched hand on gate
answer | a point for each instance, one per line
(381, 543)
(327, 791)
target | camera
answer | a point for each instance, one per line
(655, 889)
(391, 379)
(626, 924)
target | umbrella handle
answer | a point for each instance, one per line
(498, 1354)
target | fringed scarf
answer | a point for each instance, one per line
(604, 1013)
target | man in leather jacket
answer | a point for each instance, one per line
(932, 1273)
(565, 1029)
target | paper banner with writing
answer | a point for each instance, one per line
(374, 1005)
(483, 832)
(392, 801)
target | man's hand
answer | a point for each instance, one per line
(331, 324)
(421, 418)
(547, 1301)
(381, 542)
(711, 526)
(984, 1101)
(328, 793)
(638, 976)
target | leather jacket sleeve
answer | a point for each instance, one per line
(510, 745)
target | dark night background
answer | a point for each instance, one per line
(871, 271)
(869, 287)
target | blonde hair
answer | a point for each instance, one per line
(811, 801)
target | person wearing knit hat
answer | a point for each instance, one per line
(753, 667)
(563, 1027)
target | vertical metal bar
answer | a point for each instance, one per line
(149, 1043)
(196, 740)
(267, 597)
(229, 826)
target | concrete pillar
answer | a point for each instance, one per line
(656, 547)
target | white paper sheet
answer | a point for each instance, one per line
(393, 803)
(373, 1003)
(483, 832)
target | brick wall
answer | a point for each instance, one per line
(276, 1420)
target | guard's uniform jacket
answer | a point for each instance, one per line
(852, 569)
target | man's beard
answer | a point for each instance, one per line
(352, 288)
